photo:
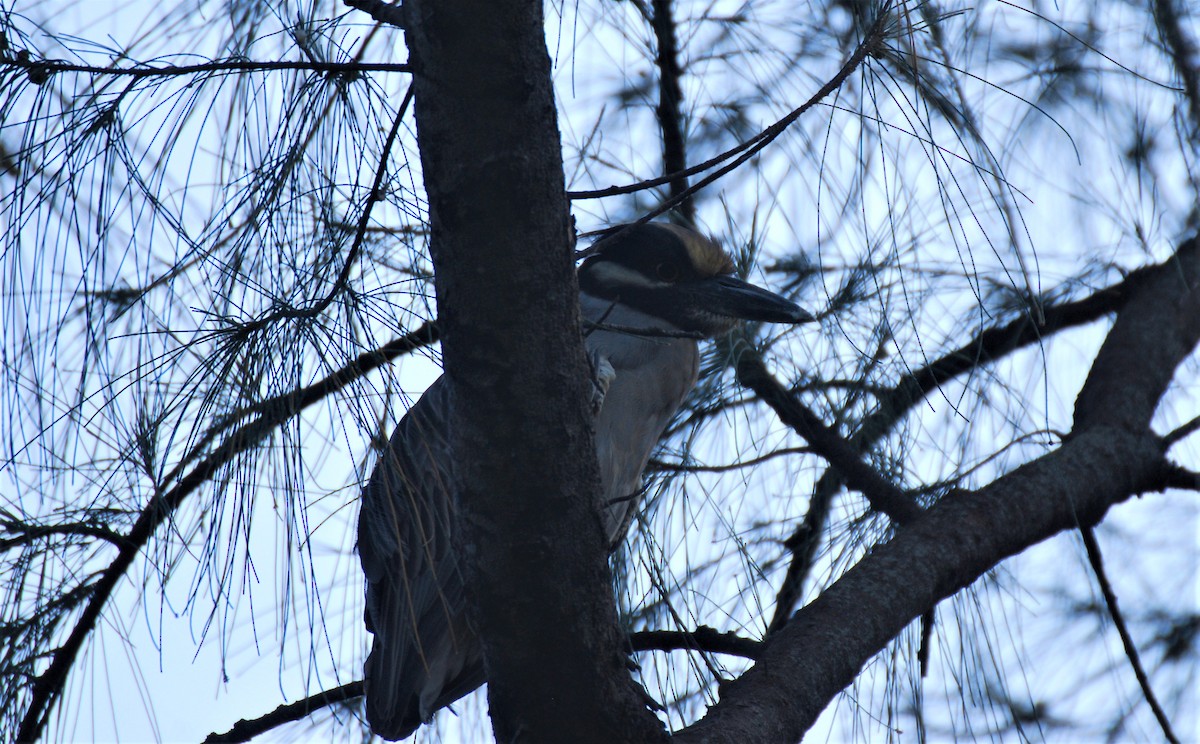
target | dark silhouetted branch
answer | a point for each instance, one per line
(884, 495)
(40, 70)
(391, 14)
(1109, 457)
(670, 106)
(986, 348)
(48, 686)
(248, 728)
(702, 638)
(1096, 559)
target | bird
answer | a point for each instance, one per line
(648, 293)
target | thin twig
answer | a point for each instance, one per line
(748, 148)
(1182, 432)
(679, 467)
(1110, 599)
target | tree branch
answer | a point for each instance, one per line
(1182, 432)
(669, 109)
(825, 645)
(48, 686)
(1111, 456)
(392, 15)
(882, 493)
(655, 465)
(702, 638)
(988, 347)
(751, 147)
(1183, 55)
(248, 728)
(40, 70)
(1096, 559)
(1138, 359)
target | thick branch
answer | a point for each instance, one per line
(826, 644)
(986, 348)
(1149, 339)
(882, 493)
(1110, 456)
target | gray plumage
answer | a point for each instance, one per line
(424, 654)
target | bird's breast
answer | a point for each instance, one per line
(653, 377)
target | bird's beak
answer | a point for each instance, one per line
(734, 298)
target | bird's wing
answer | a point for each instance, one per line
(424, 655)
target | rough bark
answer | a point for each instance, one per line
(526, 473)
(1111, 455)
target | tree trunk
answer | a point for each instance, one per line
(526, 473)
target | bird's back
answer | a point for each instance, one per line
(423, 656)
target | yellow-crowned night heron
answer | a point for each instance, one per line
(654, 277)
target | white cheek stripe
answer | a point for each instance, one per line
(614, 276)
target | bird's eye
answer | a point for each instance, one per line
(667, 272)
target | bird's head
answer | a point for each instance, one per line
(678, 275)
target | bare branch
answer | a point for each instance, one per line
(987, 347)
(957, 540)
(670, 106)
(248, 728)
(1096, 559)
(751, 147)
(391, 14)
(1111, 456)
(1182, 478)
(48, 686)
(1182, 432)
(702, 638)
(1137, 362)
(1183, 54)
(39, 70)
(882, 493)
(674, 467)
(31, 532)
